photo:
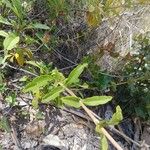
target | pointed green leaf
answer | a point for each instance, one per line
(4, 21)
(11, 41)
(117, 117)
(36, 83)
(71, 101)
(104, 143)
(34, 63)
(17, 8)
(38, 26)
(97, 100)
(54, 93)
(74, 75)
(3, 33)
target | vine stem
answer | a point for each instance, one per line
(95, 120)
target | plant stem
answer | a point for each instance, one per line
(95, 120)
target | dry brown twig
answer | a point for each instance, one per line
(95, 120)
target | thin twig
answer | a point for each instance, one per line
(15, 139)
(62, 69)
(124, 136)
(23, 70)
(96, 121)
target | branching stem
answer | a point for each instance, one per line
(95, 120)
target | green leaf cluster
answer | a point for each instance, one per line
(54, 87)
(135, 95)
(51, 87)
(115, 120)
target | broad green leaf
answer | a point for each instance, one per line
(39, 26)
(4, 21)
(97, 100)
(53, 94)
(74, 75)
(3, 33)
(104, 143)
(36, 83)
(11, 41)
(117, 117)
(71, 101)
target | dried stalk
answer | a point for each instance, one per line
(95, 120)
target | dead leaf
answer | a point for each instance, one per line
(20, 59)
(46, 37)
(35, 129)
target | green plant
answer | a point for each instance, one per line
(131, 86)
(135, 93)
(16, 42)
(56, 89)
(43, 67)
